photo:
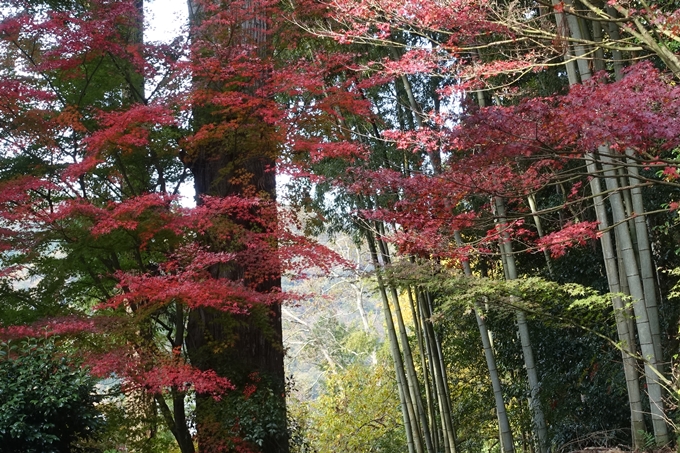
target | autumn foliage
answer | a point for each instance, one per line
(100, 130)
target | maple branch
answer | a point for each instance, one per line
(168, 329)
(128, 78)
(182, 178)
(123, 171)
(88, 77)
(41, 73)
(96, 279)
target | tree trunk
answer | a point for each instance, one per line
(523, 329)
(645, 255)
(411, 376)
(630, 265)
(426, 365)
(438, 370)
(237, 346)
(408, 413)
(623, 324)
(246, 349)
(507, 442)
(626, 337)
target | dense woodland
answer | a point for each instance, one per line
(472, 244)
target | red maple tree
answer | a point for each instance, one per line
(100, 130)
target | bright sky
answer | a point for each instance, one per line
(165, 17)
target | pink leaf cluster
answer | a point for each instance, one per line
(571, 234)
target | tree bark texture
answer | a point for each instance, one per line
(247, 349)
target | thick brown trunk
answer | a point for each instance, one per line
(237, 158)
(247, 349)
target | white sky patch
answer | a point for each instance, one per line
(165, 18)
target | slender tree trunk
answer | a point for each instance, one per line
(439, 372)
(645, 255)
(562, 34)
(626, 337)
(507, 442)
(510, 271)
(539, 229)
(435, 156)
(617, 56)
(598, 61)
(425, 364)
(408, 413)
(644, 330)
(176, 420)
(523, 329)
(623, 322)
(580, 51)
(411, 375)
